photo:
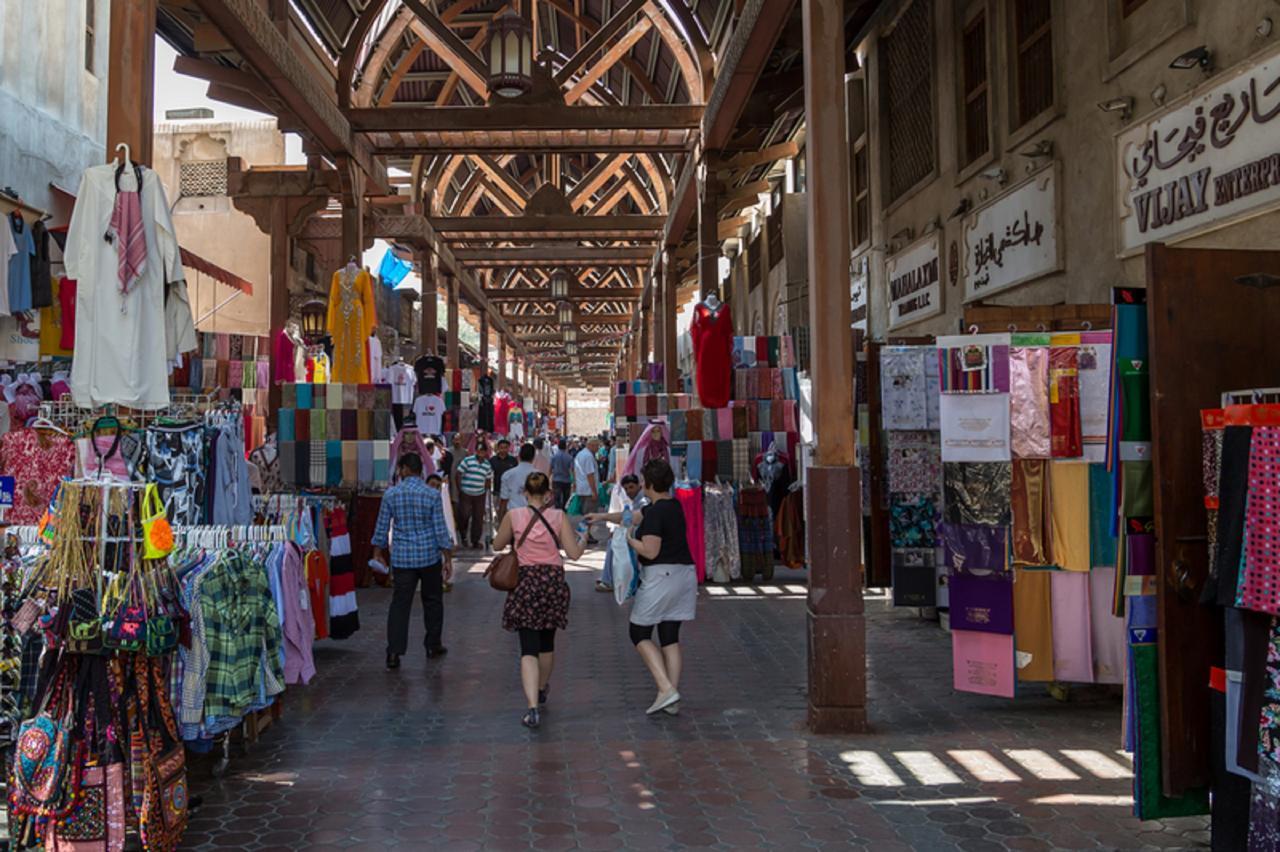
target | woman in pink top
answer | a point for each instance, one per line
(539, 604)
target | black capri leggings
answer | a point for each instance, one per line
(668, 633)
(535, 642)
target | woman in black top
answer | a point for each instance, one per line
(668, 584)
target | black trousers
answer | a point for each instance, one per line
(404, 582)
(562, 491)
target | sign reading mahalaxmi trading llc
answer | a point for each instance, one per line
(915, 288)
(1210, 158)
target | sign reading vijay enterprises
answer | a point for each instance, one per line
(1014, 239)
(1204, 162)
(915, 288)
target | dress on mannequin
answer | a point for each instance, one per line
(352, 317)
(712, 332)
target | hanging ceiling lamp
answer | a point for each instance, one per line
(570, 334)
(560, 284)
(564, 312)
(510, 56)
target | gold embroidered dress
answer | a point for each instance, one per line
(352, 317)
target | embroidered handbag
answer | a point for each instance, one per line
(157, 535)
(97, 822)
(84, 630)
(162, 632)
(124, 627)
(24, 620)
(162, 817)
(44, 777)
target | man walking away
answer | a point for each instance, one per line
(562, 475)
(586, 483)
(411, 521)
(474, 475)
(512, 492)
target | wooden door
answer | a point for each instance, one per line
(1208, 334)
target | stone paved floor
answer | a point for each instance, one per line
(433, 756)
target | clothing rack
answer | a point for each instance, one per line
(66, 414)
(1252, 396)
(215, 536)
(16, 203)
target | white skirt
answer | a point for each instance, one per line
(666, 593)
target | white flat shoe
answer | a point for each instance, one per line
(663, 702)
(672, 709)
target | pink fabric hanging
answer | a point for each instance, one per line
(130, 238)
(1072, 639)
(691, 502)
(1109, 638)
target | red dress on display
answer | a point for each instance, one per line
(712, 333)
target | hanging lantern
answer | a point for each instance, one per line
(313, 320)
(510, 56)
(559, 285)
(564, 312)
(571, 349)
(570, 334)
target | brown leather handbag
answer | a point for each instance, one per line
(504, 571)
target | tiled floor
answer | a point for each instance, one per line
(433, 756)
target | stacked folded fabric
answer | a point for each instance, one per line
(338, 434)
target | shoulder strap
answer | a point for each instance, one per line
(540, 517)
(525, 534)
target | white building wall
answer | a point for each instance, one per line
(53, 112)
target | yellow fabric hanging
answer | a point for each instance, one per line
(1069, 509)
(1033, 624)
(352, 317)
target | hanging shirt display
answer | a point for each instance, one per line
(7, 251)
(352, 317)
(116, 358)
(402, 381)
(428, 413)
(377, 373)
(712, 332)
(430, 372)
(19, 289)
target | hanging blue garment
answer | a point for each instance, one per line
(392, 270)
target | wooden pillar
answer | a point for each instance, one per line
(484, 338)
(502, 363)
(646, 327)
(708, 237)
(429, 339)
(837, 632)
(671, 283)
(278, 308)
(131, 76)
(451, 359)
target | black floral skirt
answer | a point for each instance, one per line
(539, 601)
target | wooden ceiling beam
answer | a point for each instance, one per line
(549, 227)
(446, 44)
(502, 179)
(605, 169)
(576, 294)
(744, 197)
(598, 40)
(518, 117)
(610, 58)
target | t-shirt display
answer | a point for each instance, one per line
(430, 372)
(403, 382)
(428, 412)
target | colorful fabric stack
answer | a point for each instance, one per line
(638, 403)
(338, 434)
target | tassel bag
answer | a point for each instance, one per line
(44, 778)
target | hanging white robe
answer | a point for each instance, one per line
(124, 342)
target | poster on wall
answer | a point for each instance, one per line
(859, 281)
(1204, 161)
(915, 288)
(1013, 239)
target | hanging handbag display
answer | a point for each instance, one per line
(43, 779)
(157, 535)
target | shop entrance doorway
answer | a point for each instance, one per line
(1212, 321)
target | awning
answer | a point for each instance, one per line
(193, 260)
(198, 263)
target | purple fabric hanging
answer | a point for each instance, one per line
(982, 603)
(969, 546)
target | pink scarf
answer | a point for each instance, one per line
(129, 237)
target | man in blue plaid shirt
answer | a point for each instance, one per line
(412, 516)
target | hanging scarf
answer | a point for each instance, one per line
(127, 233)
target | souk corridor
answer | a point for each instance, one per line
(433, 756)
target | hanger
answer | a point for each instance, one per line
(128, 158)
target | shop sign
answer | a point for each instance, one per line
(1014, 239)
(6, 492)
(915, 288)
(858, 284)
(1203, 163)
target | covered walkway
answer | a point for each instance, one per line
(433, 756)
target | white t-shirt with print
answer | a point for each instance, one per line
(428, 411)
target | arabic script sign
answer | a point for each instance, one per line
(858, 283)
(915, 290)
(1014, 238)
(1204, 162)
